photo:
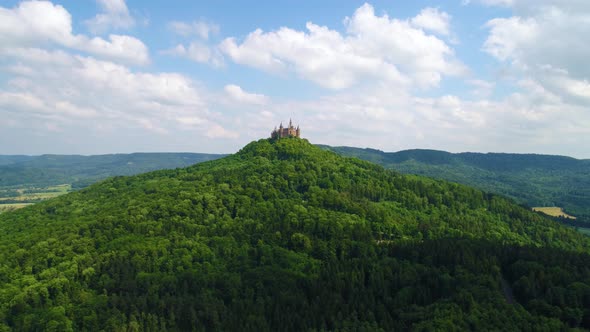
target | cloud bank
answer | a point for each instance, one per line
(376, 80)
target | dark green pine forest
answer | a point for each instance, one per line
(284, 236)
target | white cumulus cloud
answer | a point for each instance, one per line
(201, 28)
(115, 15)
(373, 47)
(68, 90)
(198, 52)
(237, 94)
(432, 19)
(545, 41)
(34, 23)
(217, 131)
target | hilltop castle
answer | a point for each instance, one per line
(286, 131)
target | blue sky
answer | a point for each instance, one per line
(115, 76)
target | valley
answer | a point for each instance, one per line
(12, 198)
(26, 180)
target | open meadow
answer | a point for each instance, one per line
(12, 206)
(553, 211)
(12, 198)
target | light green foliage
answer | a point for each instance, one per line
(284, 236)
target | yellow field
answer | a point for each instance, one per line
(12, 206)
(553, 211)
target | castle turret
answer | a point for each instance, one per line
(289, 131)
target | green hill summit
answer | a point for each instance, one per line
(285, 236)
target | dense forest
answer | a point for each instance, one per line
(531, 179)
(285, 236)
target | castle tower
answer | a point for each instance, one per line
(289, 131)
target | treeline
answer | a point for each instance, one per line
(583, 221)
(17, 201)
(284, 236)
(531, 179)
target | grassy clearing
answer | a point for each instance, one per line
(553, 211)
(32, 194)
(12, 206)
(16, 198)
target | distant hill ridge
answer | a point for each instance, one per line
(532, 179)
(490, 160)
(80, 171)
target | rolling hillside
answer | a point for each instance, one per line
(534, 180)
(80, 171)
(284, 236)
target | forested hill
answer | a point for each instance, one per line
(532, 179)
(81, 171)
(13, 159)
(284, 236)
